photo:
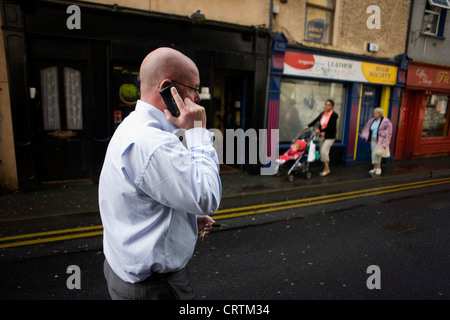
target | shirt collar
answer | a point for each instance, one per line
(156, 114)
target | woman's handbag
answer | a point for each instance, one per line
(383, 152)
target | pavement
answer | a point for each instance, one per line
(78, 200)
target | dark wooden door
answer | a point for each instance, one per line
(61, 119)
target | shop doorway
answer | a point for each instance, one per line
(370, 99)
(402, 145)
(59, 97)
(229, 103)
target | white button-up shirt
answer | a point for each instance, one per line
(151, 191)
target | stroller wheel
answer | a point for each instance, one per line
(278, 174)
(290, 178)
(308, 175)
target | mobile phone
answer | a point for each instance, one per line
(166, 94)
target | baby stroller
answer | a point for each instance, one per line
(301, 164)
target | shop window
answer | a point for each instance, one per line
(72, 105)
(436, 120)
(319, 20)
(434, 17)
(302, 101)
(126, 90)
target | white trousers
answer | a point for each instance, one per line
(325, 146)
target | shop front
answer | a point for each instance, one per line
(424, 117)
(303, 79)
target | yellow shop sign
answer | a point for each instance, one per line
(379, 73)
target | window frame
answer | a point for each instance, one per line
(433, 3)
(331, 10)
(440, 25)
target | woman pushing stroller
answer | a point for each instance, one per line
(327, 133)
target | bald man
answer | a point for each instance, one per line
(156, 195)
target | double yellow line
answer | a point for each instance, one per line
(37, 237)
(83, 232)
(291, 204)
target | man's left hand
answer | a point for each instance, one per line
(204, 225)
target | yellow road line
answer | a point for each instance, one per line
(235, 212)
(48, 233)
(221, 212)
(251, 210)
(72, 236)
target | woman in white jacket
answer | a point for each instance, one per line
(377, 131)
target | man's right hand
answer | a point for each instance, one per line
(190, 113)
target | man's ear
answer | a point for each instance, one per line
(164, 83)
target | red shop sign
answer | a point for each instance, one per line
(429, 77)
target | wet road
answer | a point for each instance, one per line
(326, 253)
(318, 251)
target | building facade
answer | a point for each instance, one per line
(69, 75)
(424, 118)
(348, 51)
(267, 64)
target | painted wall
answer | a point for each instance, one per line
(8, 175)
(350, 31)
(247, 12)
(427, 49)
